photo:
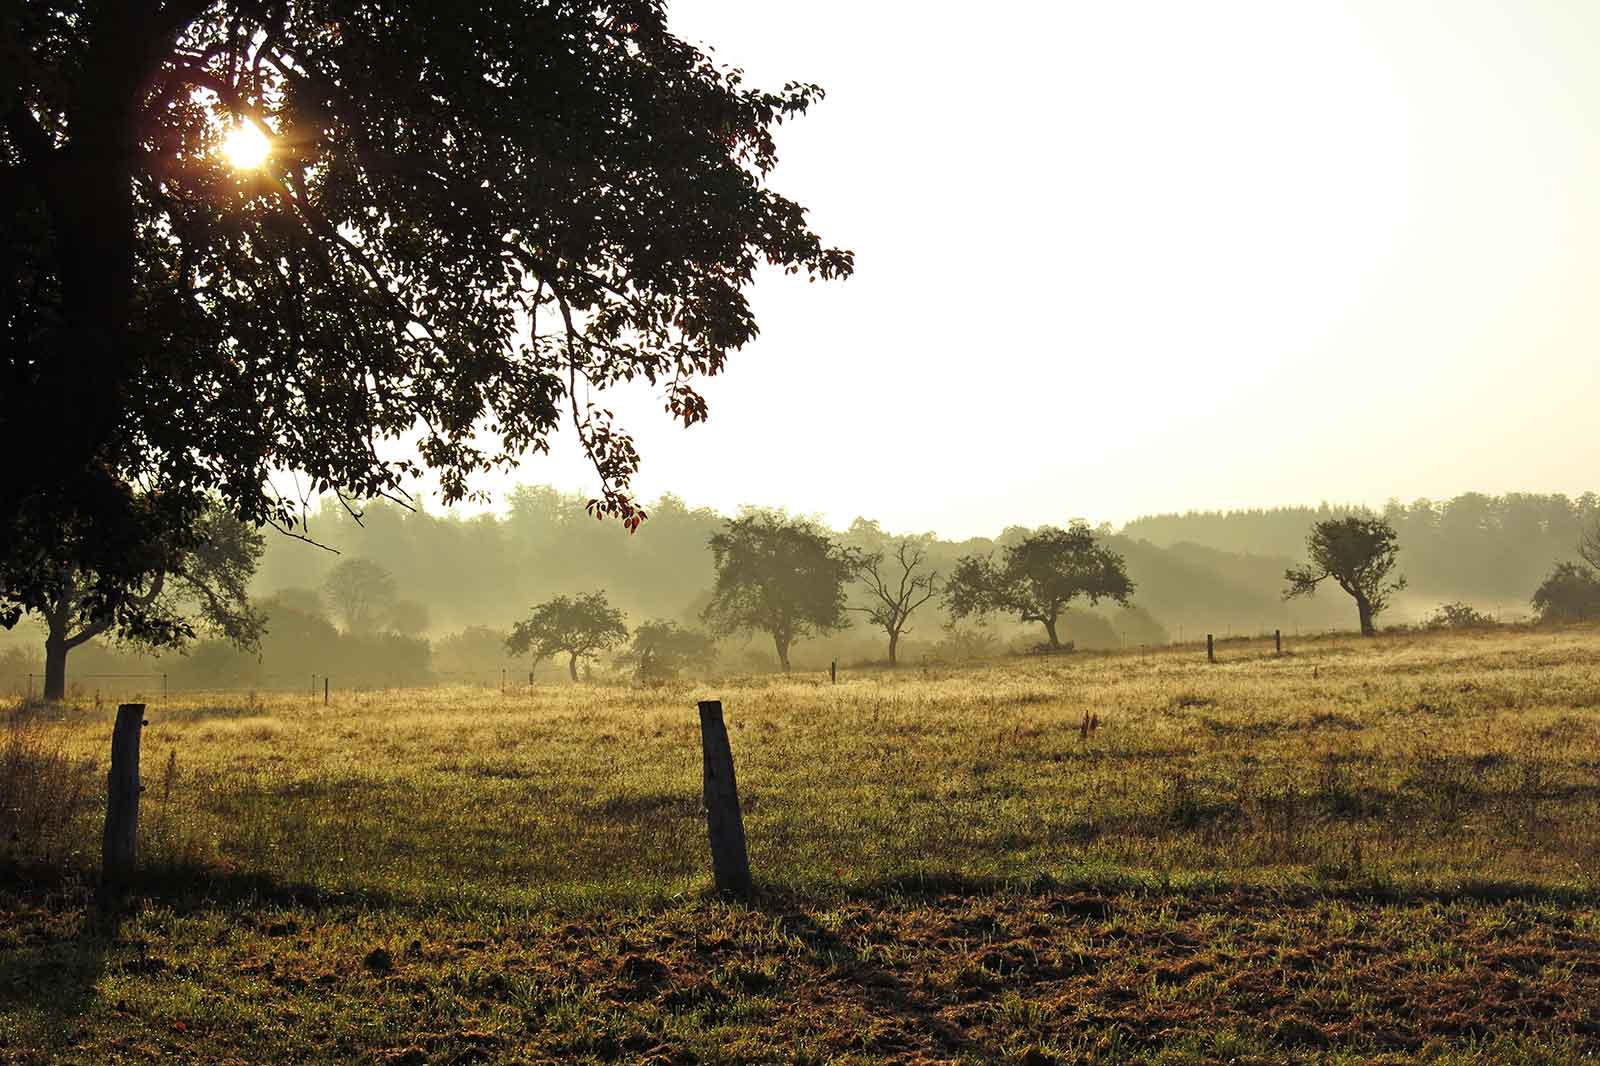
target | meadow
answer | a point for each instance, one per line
(1356, 851)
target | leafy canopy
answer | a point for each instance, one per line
(1358, 553)
(1037, 577)
(472, 217)
(662, 649)
(778, 575)
(580, 626)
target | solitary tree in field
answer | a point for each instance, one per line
(362, 594)
(780, 576)
(1359, 554)
(1570, 594)
(1038, 577)
(580, 626)
(661, 650)
(201, 585)
(246, 237)
(896, 588)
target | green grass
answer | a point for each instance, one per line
(1358, 851)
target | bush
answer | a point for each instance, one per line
(42, 793)
(1457, 616)
(1570, 594)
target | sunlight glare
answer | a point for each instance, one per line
(246, 147)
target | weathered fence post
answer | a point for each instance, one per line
(833, 671)
(1277, 641)
(122, 796)
(730, 863)
(1211, 649)
(324, 691)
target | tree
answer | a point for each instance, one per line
(1358, 553)
(662, 649)
(581, 626)
(780, 576)
(896, 590)
(468, 217)
(201, 585)
(1589, 544)
(362, 594)
(1037, 577)
(1570, 594)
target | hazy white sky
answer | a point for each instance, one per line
(1135, 257)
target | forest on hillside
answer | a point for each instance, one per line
(466, 580)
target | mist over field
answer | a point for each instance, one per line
(464, 582)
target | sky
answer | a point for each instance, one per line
(1117, 259)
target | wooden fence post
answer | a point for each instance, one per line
(1277, 641)
(324, 692)
(833, 671)
(122, 796)
(730, 862)
(1211, 649)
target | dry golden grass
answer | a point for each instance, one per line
(1361, 851)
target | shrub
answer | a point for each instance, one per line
(1570, 594)
(1457, 616)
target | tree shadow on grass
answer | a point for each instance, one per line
(885, 993)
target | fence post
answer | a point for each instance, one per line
(730, 862)
(324, 691)
(1277, 641)
(1211, 649)
(122, 796)
(833, 671)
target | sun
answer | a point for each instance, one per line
(246, 147)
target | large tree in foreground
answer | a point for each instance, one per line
(456, 221)
(200, 587)
(578, 626)
(781, 576)
(896, 587)
(1358, 554)
(1036, 578)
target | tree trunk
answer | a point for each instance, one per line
(55, 668)
(1050, 628)
(782, 644)
(894, 642)
(572, 664)
(1365, 610)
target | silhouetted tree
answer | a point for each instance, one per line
(472, 214)
(581, 626)
(362, 594)
(781, 576)
(200, 585)
(1358, 553)
(896, 589)
(1570, 594)
(662, 649)
(1037, 577)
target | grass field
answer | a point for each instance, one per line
(1360, 851)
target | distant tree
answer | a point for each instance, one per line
(409, 618)
(1358, 553)
(1589, 543)
(897, 588)
(662, 649)
(780, 576)
(1037, 576)
(580, 626)
(362, 594)
(1570, 594)
(306, 601)
(202, 585)
(476, 650)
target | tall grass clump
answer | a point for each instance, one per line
(43, 793)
